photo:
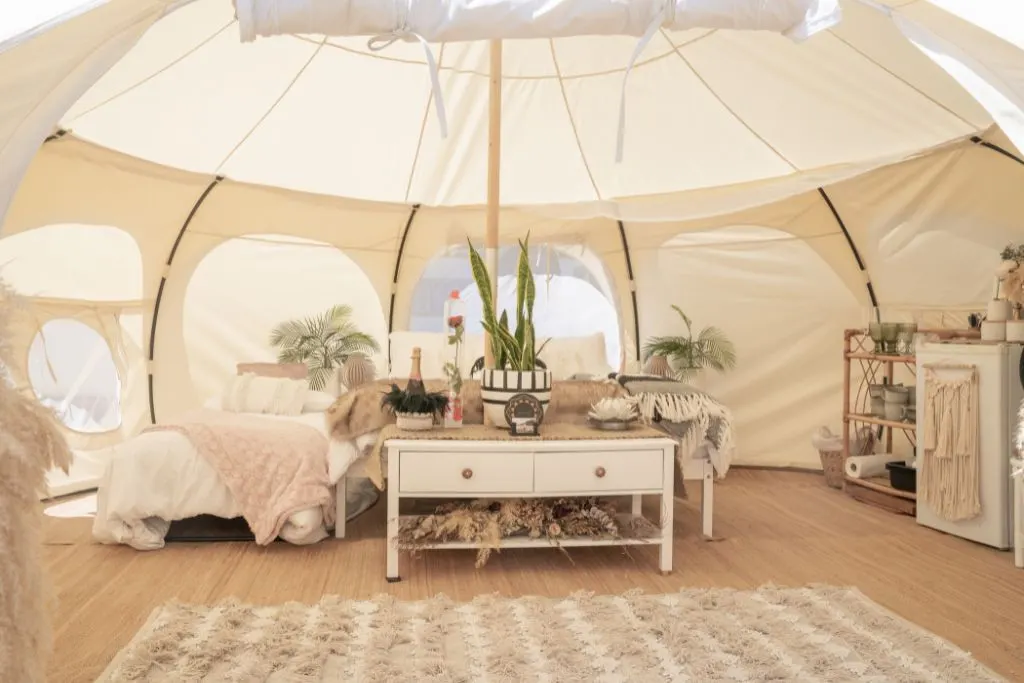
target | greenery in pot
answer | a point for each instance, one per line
(401, 401)
(512, 349)
(322, 342)
(711, 349)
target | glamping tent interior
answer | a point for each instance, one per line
(761, 359)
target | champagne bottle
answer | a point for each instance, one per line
(415, 385)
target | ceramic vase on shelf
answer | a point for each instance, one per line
(455, 327)
(1015, 326)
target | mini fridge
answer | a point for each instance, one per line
(1000, 393)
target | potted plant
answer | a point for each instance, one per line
(515, 351)
(323, 343)
(414, 410)
(687, 356)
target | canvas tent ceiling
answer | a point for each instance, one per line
(730, 136)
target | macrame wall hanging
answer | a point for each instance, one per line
(950, 474)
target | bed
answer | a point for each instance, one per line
(160, 475)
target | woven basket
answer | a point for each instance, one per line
(832, 465)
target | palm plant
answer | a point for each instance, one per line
(711, 349)
(513, 350)
(322, 342)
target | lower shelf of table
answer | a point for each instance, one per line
(545, 542)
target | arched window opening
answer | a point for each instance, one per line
(572, 300)
(72, 261)
(72, 370)
(246, 286)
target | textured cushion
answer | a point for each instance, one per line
(250, 393)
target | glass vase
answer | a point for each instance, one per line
(455, 328)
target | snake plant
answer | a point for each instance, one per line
(512, 349)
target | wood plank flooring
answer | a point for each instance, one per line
(784, 528)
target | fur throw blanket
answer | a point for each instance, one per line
(358, 412)
(30, 444)
(695, 418)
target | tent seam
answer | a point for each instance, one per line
(423, 128)
(905, 82)
(128, 25)
(729, 109)
(273, 106)
(173, 63)
(572, 121)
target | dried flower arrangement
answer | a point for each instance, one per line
(488, 521)
(30, 444)
(1010, 275)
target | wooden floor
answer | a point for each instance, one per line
(774, 527)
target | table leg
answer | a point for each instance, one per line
(667, 511)
(392, 490)
(1018, 522)
(707, 499)
(340, 507)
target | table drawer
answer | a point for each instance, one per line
(425, 472)
(599, 471)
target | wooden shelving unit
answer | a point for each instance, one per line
(878, 368)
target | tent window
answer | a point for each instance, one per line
(246, 286)
(571, 301)
(71, 369)
(73, 261)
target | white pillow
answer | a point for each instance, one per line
(235, 391)
(250, 393)
(317, 402)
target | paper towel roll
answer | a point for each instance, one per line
(864, 466)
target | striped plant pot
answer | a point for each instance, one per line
(498, 386)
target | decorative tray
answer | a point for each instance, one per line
(611, 425)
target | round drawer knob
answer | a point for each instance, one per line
(600, 472)
(467, 473)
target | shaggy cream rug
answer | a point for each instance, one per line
(809, 634)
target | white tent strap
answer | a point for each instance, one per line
(384, 40)
(667, 16)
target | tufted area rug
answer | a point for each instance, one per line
(771, 634)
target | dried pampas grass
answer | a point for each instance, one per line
(30, 444)
(487, 521)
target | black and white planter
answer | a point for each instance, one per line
(498, 386)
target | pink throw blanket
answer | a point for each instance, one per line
(273, 468)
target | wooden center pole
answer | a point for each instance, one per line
(493, 187)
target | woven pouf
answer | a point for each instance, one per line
(357, 370)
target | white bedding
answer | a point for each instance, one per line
(158, 477)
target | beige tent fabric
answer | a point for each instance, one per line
(780, 279)
(311, 172)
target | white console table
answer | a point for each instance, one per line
(532, 468)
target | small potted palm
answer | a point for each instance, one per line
(322, 342)
(414, 410)
(687, 356)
